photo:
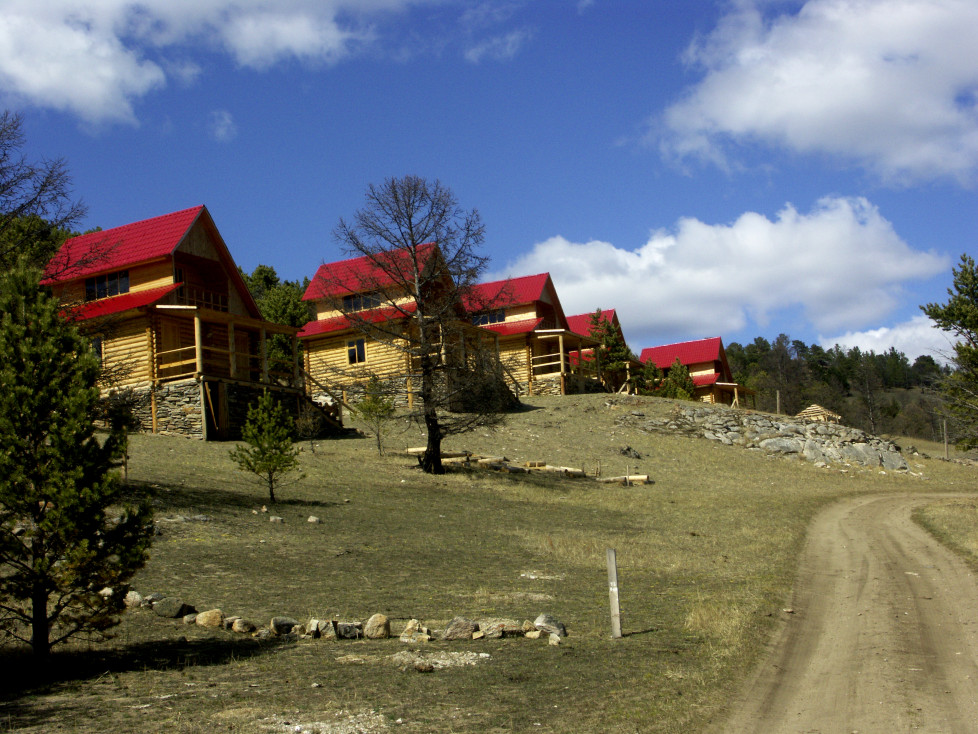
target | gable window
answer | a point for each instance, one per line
(490, 317)
(106, 285)
(361, 301)
(356, 351)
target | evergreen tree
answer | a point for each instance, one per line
(678, 384)
(376, 409)
(68, 546)
(959, 316)
(269, 453)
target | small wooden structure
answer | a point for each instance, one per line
(171, 317)
(815, 412)
(706, 361)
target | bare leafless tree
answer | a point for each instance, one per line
(36, 204)
(422, 252)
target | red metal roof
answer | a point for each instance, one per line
(120, 247)
(511, 328)
(363, 274)
(505, 293)
(118, 304)
(581, 323)
(344, 323)
(688, 353)
(705, 380)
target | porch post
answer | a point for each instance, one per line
(295, 359)
(199, 343)
(231, 353)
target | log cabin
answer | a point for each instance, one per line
(536, 344)
(614, 380)
(366, 327)
(171, 319)
(706, 361)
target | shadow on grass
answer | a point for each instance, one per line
(22, 676)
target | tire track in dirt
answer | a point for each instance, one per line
(883, 636)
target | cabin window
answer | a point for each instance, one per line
(490, 317)
(361, 302)
(104, 286)
(356, 351)
(97, 348)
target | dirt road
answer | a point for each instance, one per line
(882, 635)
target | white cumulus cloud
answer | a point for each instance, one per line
(891, 85)
(915, 337)
(95, 59)
(841, 265)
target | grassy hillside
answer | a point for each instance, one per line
(706, 557)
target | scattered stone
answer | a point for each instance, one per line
(378, 627)
(210, 618)
(414, 631)
(629, 452)
(349, 630)
(242, 626)
(554, 640)
(283, 625)
(133, 599)
(228, 622)
(423, 666)
(172, 607)
(550, 624)
(494, 629)
(314, 520)
(190, 618)
(533, 634)
(150, 599)
(275, 519)
(263, 633)
(460, 628)
(313, 628)
(106, 592)
(327, 630)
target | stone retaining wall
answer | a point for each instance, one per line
(820, 443)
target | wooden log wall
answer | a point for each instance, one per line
(126, 350)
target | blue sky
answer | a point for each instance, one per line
(740, 168)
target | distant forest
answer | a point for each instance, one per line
(879, 393)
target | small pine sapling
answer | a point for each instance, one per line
(376, 409)
(269, 453)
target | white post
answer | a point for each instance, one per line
(613, 594)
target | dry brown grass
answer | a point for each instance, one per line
(706, 558)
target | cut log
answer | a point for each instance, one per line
(630, 479)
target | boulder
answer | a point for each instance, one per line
(172, 607)
(460, 628)
(210, 618)
(495, 628)
(550, 624)
(414, 631)
(133, 599)
(242, 626)
(283, 625)
(378, 627)
(348, 630)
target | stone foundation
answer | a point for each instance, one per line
(182, 406)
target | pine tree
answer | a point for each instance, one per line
(376, 409)
(678, 384)
(269, 454)
(959, 316)
(68, 546)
